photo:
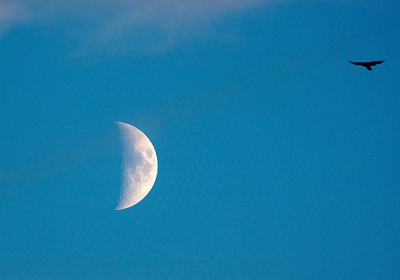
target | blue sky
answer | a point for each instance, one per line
(277, 158)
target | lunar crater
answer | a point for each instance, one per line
(149, 153)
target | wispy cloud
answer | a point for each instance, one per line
(11, 13)
(129, 22)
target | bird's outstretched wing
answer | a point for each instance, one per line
(373, 63)
(356, 63)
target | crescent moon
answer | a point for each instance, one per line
(140, 166)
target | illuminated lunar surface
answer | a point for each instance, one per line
(139, 166)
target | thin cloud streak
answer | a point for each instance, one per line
(106, 23)
(11, 13)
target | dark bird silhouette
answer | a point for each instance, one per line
(367, 64)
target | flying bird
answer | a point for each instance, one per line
(367, 64)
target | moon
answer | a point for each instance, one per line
(140, 166)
